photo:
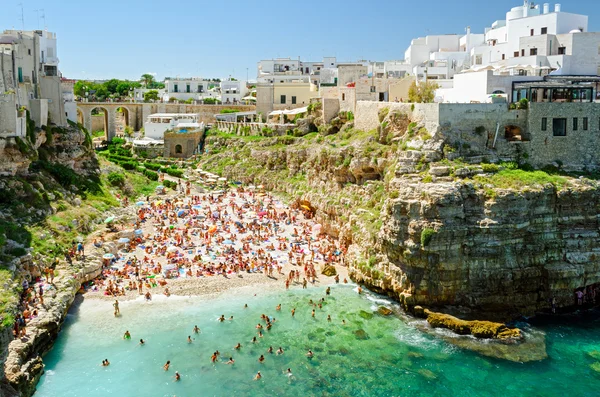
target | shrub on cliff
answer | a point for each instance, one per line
(426, 236)
(153, 176)
(116, 179)
(170, 184)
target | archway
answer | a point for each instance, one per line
(99, 124)
(122, 121)
(178, 149)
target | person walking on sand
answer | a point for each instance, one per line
(116, 306)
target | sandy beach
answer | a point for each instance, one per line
(195, 213)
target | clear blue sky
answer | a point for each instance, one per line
(126, 38)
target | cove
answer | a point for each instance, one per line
(371, 355)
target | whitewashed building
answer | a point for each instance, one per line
(29, 79)
(194, 88)
(158, 123)
(232, 91)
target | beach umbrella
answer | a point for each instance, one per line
(180, 213)
(172, 249)
(123, 240)
(228, 242)
(212, 229)
(109, 219)
(108, 256)
(139, 232)
(239, 224)
(140, 203)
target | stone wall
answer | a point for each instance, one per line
(331, 108)
(187, 142)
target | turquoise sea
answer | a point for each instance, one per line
(395, 359)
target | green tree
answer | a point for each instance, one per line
(424, 92)
(101, 92)
(128, 131)
(151, 95)
(147, 79)
(111, 85)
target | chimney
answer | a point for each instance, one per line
(557, 8)
(546, 8)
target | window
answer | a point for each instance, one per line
(282, 99)
(373, 88)
(559, 127)
(523, 52)
(562, 50)
(200, 88)
(516, 54)
(29, 51)
(503, 57)
(178, 149)
(585, 123)
(574, 123)
(531, 32)
(533, 51)
(187, 88)
(175, 88)
(478, 59)
(544, 30)
(544, 124)
(293, 100)
(343, 97)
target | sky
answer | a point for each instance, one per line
(216, 39)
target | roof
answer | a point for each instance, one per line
(188, 125)
(290, 112)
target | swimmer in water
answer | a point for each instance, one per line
(189, 339)
(196, 329)
(258, 376)
(258, 326)
(231, 318)
(343, 322)
(260, 334)
(127, 335)
(329, 317)
(231, 361)
(293, 312)
(279, 351)
(238, 346)
(278, 307)
(222, 318)
(289, 372)
(261, 358)
(245, 306)
(142, 342)
(310, 354)
(177, 376)
(270, 350)
(359, 290)
(254, 339)
(313, 313)
(167, 365)
(105, 363)
(214, 358)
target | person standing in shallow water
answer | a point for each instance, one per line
(116, 306)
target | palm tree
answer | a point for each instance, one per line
(147, 79)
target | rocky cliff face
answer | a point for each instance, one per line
(510, 253)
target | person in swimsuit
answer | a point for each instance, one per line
(142, 342)
(279, 351)
(196, 329)
(127, 335)
(258, 376)
(177, 376)
(261, 359)
(310, 354)
(167, 365)
(189, 339)
(238, 346)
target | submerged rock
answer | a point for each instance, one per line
(428, 374)
(477, 328)
(361, 334)
(595, 354)
(595, 366)
(366, 315)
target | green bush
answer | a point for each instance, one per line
(175, 173)
(225, 111)
(170, 184)
(116, 179)
(141, 169)
(118, 141)
(153, 176)
(129, 165)
(491, 168)
(152, 166)
(426, 236)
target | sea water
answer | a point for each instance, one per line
(371, 355)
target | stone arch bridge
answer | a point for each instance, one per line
(134, 114)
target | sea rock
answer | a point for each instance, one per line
(361, 334)
(479, 329)
(427, 374)
(329, 271)
(384, 311)
(595, 366)
(595, 354)
(366, 315)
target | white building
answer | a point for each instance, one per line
(531, 42)
(68, 97)
(138, 93)
(232, 91)
(158, 123)
(29, 79)
(194, 88)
